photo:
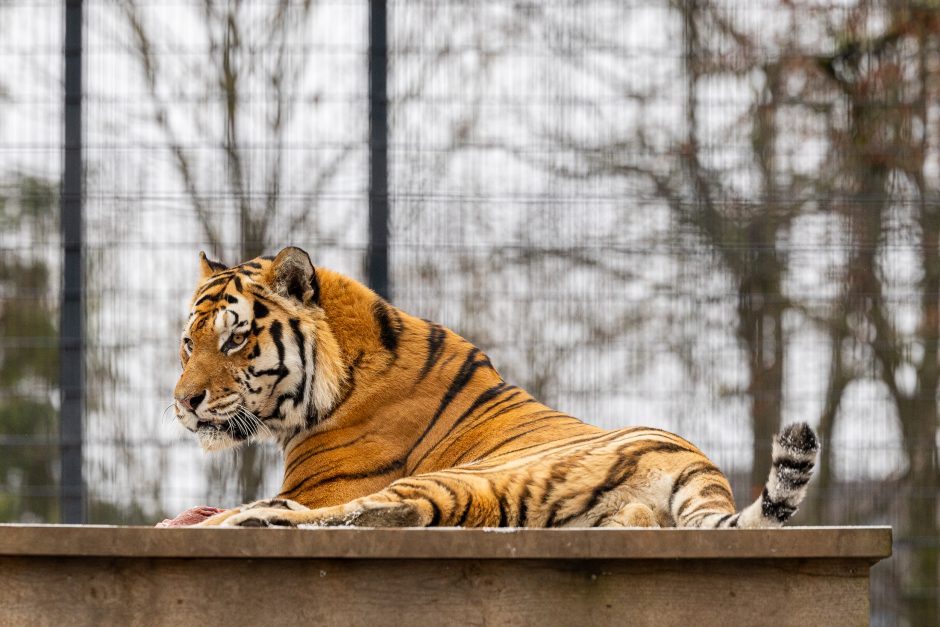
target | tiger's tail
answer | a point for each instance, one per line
(794, 455)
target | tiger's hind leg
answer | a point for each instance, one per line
(631, 515)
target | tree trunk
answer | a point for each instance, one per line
(920, 433)
(817, 505)
(760, 318)
(877, 144)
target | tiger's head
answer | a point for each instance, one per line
(259, 359)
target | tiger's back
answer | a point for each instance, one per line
(387, 419)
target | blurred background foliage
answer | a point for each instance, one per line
(29, 365)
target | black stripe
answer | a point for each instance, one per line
(279, 415)
(777, 510)
(529, 401)
(396, 490)
(350, 387)
(800, 466)
(278, 371)
(503, 509)
(276, 331)
(466, 510)
(409, 482)
(446, 488)
(685, 505)
(436, 516)
(216, 266)
(209, 298)
(313, 412)
(302, 349)
(214, 282)
(716, 489)
(436, 336)
(792, 482)
(314, 288)
(390, 326)
(687, 474)
(259, 310)
(704, 505)
(523, 512)
(723, 519)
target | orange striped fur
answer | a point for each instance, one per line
(385, 419)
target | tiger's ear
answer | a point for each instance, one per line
(292, 275)
(208, 267)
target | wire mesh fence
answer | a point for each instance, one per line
(711, 217)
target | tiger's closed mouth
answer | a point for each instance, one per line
(231, 428)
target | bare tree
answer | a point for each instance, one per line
(887, 82)
(742, 226)
(745, 231)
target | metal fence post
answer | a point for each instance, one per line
(71, 330)
(377, 254)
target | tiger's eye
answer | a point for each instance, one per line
(238, 338)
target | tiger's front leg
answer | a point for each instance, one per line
(363, 513)
(442, 498)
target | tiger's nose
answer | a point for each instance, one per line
(192, 401)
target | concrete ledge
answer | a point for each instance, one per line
(447, 543)
(80, 575)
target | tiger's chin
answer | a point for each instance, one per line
(220, 432)
(211, 440)
(224, 434)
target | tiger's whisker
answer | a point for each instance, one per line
(165, 410)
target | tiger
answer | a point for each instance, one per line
(389, 420)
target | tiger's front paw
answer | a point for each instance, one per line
(272, 505)
(263, 517)
(268, 513)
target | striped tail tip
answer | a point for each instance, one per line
(794, 456)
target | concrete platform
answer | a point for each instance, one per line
(100, 575)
